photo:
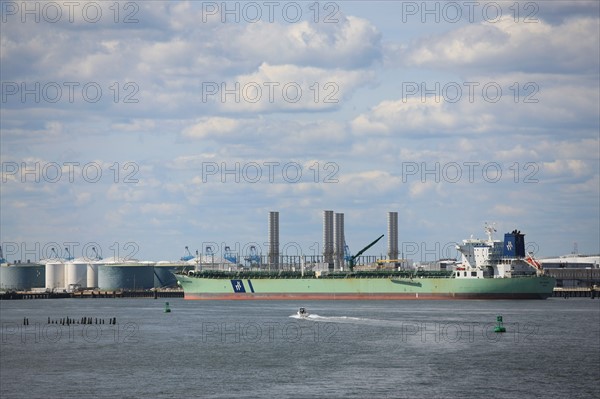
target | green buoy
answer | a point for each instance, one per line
(499, 327)
(167, 309)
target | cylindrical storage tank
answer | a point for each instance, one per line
(328, 237)
(55, 275)
(92, 274)
(163, 274)
(37, 273)
(274, 239)
(76, 273)
(21, 276)
(126, 276)
(392, 235)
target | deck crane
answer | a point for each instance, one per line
(353, 258)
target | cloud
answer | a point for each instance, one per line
(507, 210)
(509, 46)
(212, 127)
(417, 117)
(163, 209)
(571, 167)
(351, 43)
(275, 88)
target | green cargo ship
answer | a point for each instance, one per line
(490, 269)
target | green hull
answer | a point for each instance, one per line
(533, 287)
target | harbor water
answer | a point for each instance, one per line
(257, 349)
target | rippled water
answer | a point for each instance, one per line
(345, 349)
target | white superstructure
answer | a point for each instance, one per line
(494, 258)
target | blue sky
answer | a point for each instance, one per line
(162, 125)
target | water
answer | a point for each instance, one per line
(345, 349)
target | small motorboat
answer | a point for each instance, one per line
(302, 313)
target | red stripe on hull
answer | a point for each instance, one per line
(348, 297)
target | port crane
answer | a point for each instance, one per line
(68, 257)
(228, 255)
(253, 257)
(187, 257)
(347, 254)
(96, 254)
(353, 258)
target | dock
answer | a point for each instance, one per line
(577, 292)
(165, 293)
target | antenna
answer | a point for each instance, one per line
(490, 230)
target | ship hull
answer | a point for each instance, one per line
(201, 288)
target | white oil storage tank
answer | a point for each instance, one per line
(92, 274)
(76, 273)
(55, 274)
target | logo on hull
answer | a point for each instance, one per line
(238, 286)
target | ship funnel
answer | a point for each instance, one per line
(274, 239)
(514, 245)
(392, 235)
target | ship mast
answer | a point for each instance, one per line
(489, 231)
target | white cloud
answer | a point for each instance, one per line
(82, 198)
(163, 209)
(275, 88)
(351, 43)
(212, 127)
(570, 167)
(414, 116)
(508, 45)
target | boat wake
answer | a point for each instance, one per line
(332, 319)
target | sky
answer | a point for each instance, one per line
(140, 128)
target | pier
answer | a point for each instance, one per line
(576, 292)
(174, 293)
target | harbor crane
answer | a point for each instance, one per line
(253, 257)
(229, 256)
(187, 257)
